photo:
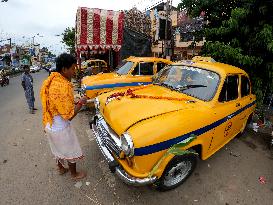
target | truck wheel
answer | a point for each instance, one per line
(176, 172)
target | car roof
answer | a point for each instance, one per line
(147, 59)
(221, 68)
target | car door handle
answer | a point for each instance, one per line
(238, 104)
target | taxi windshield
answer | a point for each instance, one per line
(192, 81)
(124, 67)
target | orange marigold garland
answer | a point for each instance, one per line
(130, 92)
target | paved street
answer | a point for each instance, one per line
(28, 174)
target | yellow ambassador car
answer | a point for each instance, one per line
(134, 71)
(201, 104)
(97, 66)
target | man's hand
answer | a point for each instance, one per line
(83, 100)
(23, 85)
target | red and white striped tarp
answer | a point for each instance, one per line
(98, 28)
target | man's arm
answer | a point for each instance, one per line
(23, 85)
(78, 106)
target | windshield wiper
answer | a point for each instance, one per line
(165, 85)
(185, 87)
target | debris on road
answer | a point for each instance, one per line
(208, 165)
(87, 183)
(78, 185)
(255, 127)
(262, 180)
(234, 154)
(5, 161)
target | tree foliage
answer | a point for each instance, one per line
(239, 32)
(68, 38)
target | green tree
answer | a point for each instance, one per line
(68, 38)
(242, 37)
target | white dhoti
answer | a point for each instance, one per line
(63, 140)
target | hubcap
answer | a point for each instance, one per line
(177, 173)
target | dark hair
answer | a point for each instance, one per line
(64, 61)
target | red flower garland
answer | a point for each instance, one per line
(130, 92)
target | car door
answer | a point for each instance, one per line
(245, 101)
(226, 113)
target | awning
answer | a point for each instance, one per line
(99, 29)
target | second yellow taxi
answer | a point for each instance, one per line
(134, 71)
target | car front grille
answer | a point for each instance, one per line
(108, 138)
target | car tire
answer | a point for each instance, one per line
(180, 166)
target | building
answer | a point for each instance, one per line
(182, 42)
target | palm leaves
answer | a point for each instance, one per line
(175, 150)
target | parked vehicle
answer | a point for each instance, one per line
(134, 71)
(34, 68)
(199, 104)
(98, 66)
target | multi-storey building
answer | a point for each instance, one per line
(183, 44)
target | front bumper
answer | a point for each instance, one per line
(114, 165)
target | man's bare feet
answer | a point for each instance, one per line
(62, 171)
(78, 175)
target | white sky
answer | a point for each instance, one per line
(22, 19)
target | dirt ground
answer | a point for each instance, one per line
(28, 174)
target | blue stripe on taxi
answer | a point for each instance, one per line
(115, 85)
(167, 144)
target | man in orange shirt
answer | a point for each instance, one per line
(58, 111)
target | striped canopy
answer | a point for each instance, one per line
(99, 29)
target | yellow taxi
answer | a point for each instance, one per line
(134, 71)
(202, 104)
(97, 66)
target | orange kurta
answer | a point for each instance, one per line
(57, 98)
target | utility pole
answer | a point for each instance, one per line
(9, 39)
(166, 28)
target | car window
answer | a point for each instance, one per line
(160, 66)
(245, 86)
(124, 67)
(230, 89)
(144, 69)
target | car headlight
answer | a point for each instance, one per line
(127, 144)
(97, 103)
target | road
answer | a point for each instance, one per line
(28, 174)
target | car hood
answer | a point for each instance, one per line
(126, 111)
(100, 78)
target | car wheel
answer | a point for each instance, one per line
(176, 172)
